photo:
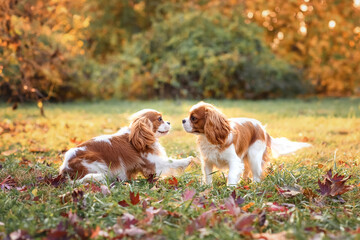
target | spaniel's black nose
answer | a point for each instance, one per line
(168, 123)
(183, 120)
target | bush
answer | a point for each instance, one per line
(201, 53)
(37, 41)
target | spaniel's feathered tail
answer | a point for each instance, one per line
(283, 146)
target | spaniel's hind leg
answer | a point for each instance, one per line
(255, 155)
(247, 168)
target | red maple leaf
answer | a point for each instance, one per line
(333, 185)
(238, 200)
(172, 181)
(135, 199)
(123, 203)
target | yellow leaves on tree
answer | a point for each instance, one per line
(320, 37)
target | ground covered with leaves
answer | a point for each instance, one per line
(311, 195)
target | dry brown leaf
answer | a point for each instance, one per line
(38, 150)
(271, 236)
(288, 191)
(308, 193)
(333, 185)
(9, 152)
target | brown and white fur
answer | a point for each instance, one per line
(132, 150)
(241, 144)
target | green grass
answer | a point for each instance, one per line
(331, 125)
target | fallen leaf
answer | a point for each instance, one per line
(262, 218)
(73, 218)
(36, 199)
(8, 183)
(22, 189)
(34, 192)
(77, 142)
(25, 162)
(19, 235)
(134, 199)
(60, 232)
(144, 204)
(95, 232)
(305, 139)
(152, 178)
(244, 224)
(189, 194)
(123, 203)
(333, 185)
(76, 195)
(105, 190)
(308, 193)
(151, 212)
(93, 187)
(200, 222)
(9, 152)
(38, 150)
(340, 162)
(55, 182)
(134, 231)
(288, 191)
(247, 206)
(238, 200)
(189, 183)
(128, 220)
(172, 181)
(232, 206)
(281, 210)
(271, 236)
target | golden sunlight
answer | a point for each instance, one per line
(332, 24)
(303, 7)
(357, 3)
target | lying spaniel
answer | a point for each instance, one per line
(240, 144)
(134, 149)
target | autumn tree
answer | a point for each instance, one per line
(37, 38)
(320, 37)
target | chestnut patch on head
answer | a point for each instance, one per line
(205, 118)
(197, 119)
(155, 118)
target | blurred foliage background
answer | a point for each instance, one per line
(144, 49)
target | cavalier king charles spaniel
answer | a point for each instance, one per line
(240, 144)
(132, 150)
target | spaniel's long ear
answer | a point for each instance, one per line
(217, 127)
(141, 134)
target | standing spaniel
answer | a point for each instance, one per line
(134, 149)
(241, 144)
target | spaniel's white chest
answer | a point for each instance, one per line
(212, 153)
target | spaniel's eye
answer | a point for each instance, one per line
(193, 118)
(160, 119)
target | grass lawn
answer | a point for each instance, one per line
(32, 147)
